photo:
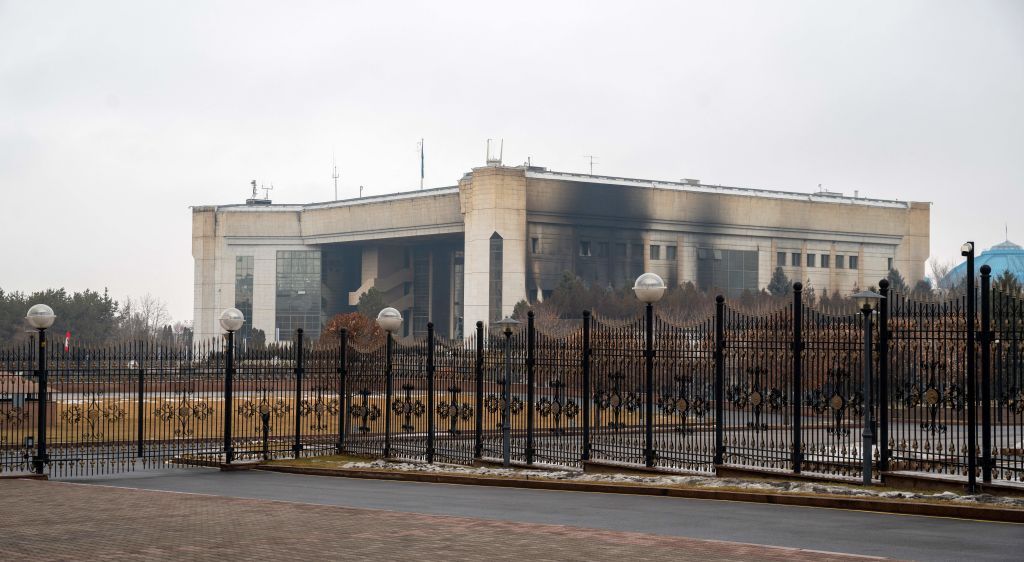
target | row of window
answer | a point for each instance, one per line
(590, 249)
(825, 261)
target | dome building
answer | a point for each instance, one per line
(1005, 256)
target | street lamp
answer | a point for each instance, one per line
(868, 302)
(41, 317)
(967, 251)
(507, 325)
(231, 320)
(390, 320)
(649, 288)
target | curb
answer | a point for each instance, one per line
(25, 476)
(859, 504)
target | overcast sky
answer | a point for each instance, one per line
(116, 117)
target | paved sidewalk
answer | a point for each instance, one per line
(61, 521)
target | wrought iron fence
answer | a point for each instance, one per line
(780, 390)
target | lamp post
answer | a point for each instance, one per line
(390, 320)
(231, 320)
(649, 288)
(41, 317)
(868, 302)
(967, 251)
(508, 325)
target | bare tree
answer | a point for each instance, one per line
(940, 269)
(143, 317)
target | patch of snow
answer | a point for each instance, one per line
(784, 486)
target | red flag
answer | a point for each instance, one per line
(67, 341)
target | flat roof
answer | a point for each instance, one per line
(536, 172)
(823, 197)
(432, 192)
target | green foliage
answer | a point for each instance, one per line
(922, 290)
(371, 303)
(88, 315)
(1007, 283)
(259, 339)
(896, 282)
(779, 286)
(520, 310)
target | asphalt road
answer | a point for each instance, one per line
(851, 532)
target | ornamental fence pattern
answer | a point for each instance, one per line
(780, 390)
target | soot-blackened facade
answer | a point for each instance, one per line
(468, 253)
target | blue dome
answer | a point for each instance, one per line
(1005, 256)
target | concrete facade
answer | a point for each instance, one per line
(432, 253)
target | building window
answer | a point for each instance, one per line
(780, 259)
(853, 262)
(890, 264)
(811, 260)
(670, 253)
(826, 260)
(585, 248)
(298, 293)
(840, 262)
(620, 251)
(637, 251)
(796, 259)
(497, 255)
(655, 252)
(535, 245)
(243, 292)
(732, 271)
(602, 249)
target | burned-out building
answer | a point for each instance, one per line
(470, 252)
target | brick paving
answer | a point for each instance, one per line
(42, 520)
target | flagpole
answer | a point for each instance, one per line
(421, 163)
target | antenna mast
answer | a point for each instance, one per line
(420, 144)
(335, 176)
(592, 158)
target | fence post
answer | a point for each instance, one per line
(972, 411)
(42, 458)
(430, 392)
(649, 387)
(229, 374)
(531, 342)
(883, 376)
(297, 447)
(140, 403)
(342, 390)
(586, 399)
(986, 374)
(798, 347)
(388, 393)
(478, 439)
(719, 380)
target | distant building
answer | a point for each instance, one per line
(1005, 256)
(470, 252)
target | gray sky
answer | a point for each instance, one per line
(115, 117)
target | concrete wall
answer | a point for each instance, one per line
(493, 199)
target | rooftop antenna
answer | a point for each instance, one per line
(420, 146)
(592, 158)
(360, 192)
(253, 182)
(335, 176)
(267, 190)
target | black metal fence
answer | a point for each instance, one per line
(780, 390)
